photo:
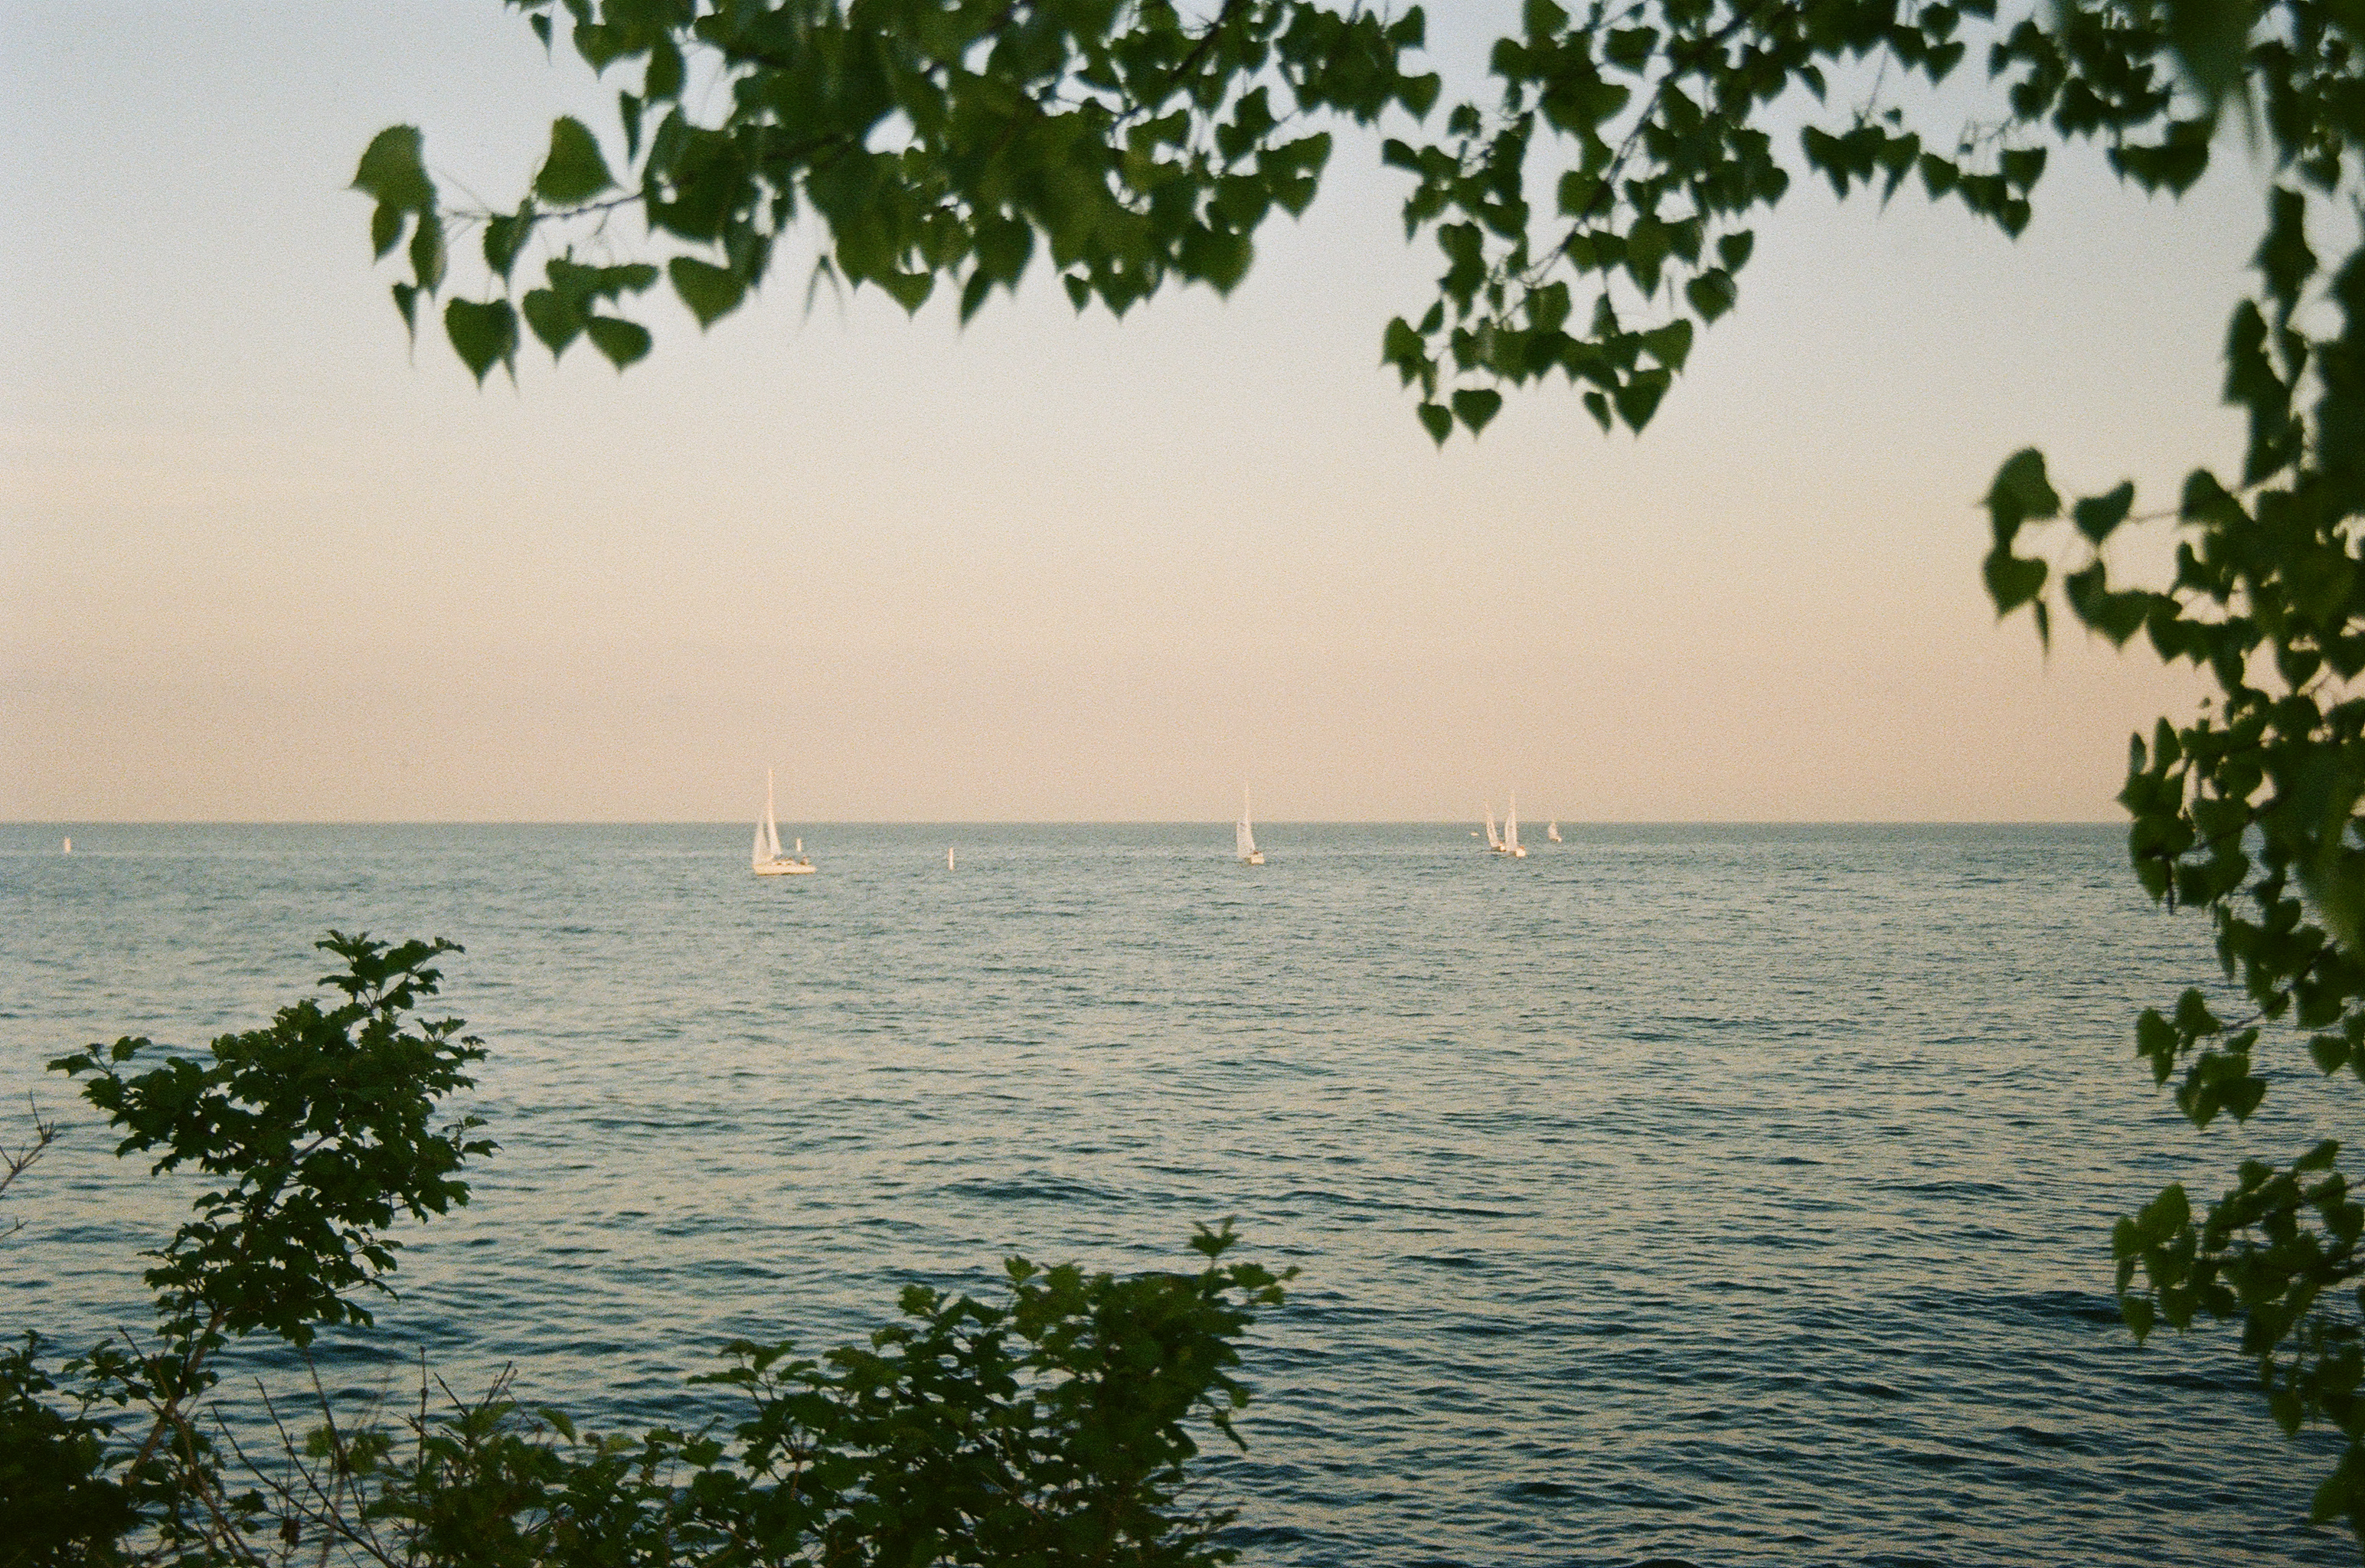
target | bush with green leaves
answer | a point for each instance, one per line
(1052, 1426)
(1592, 213)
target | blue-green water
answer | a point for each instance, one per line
(1699, 1194)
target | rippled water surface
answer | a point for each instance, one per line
(1685, 1195)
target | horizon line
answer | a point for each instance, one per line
(1045, 822)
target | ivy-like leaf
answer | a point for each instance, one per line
(622, 341)
(391, 170)
(505, 236)
(553, 319)
(385, 228)
(575, 171)
(2021, 492)
(709, 291)
(426, 252)
(483, 335)
(1475, 406)
(2097, 516)
(2013, 580)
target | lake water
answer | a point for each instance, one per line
(1710, 1195)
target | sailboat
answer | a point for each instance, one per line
(1508, 841)
(1552, 830)
(767, 860)
(949, 856)
(1244, 837)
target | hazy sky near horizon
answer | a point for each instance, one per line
(260, 563)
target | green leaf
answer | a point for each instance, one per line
(622, 341)
(426, 252)
(1438, 419)
(2013, 580)
(482, 335)
(1711, 294)
(1400, 345)
(391, 170)
(553, 320)
(1217, 256)
(505, 236)
(664, 74)
(575, 172)
(1475, 406)
(1670, 344)
(385, 228)
(911, 290)
(2098, 515)
(1638, 399)
(405, 299)
(2021, 491)
(709, 291)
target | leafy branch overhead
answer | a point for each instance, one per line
(933, 143)
(1591, 215)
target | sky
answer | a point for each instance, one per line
(261, 562)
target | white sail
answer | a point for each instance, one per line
(1552, 830)
(1244, 836)
(1511, 827)
(1493, 839)
(768, 860)
(757, 856)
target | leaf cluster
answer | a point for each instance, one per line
(318, 1127)
(1049, 1427)
(1591, 218)
(2249, 810)
(317, 1134)
(1052, 1426)
(951, 142)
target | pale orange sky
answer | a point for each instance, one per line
(258, 564)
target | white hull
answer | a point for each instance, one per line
(1254, 857)
(783, 868)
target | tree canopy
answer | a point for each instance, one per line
(1592, 213)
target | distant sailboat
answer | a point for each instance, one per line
(1510, 844)
(1493, 839)
(767, 860)
(69, 848)
(1552, 830)
(1244, 837)
(949, 856)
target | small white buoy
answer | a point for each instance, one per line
(69, 848)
